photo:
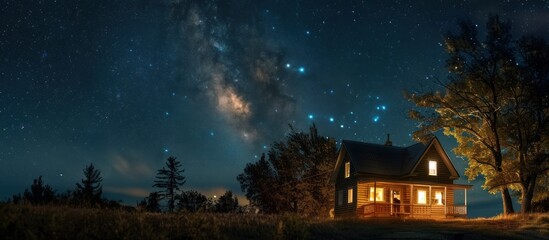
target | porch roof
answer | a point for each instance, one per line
(418, 183)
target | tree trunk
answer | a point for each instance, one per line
(507, 201)
(527, 195)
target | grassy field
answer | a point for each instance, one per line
(31, 222)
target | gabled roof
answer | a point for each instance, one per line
(388, 161)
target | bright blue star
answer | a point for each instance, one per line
(311, 116)
(288, 65)
(167, 113)
(166, 150)
(308, 32)
(383, 107)
(376, 119)
(301, 69)
(331, 119)
(341, 126)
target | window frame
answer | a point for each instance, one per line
(433, 166)
(379, 190)
(439, 201)
(424, 193)
(347, 169)
(350, 195)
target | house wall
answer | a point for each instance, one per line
(422, 169)
(343, 184)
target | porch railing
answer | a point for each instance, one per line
(412, 209)
(456, 210)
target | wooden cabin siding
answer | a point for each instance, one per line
(343, 184)
(450, 197)
(422, 170)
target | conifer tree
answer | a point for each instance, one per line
(168, 180)
(89, 191)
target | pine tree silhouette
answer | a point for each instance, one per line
(169, 180)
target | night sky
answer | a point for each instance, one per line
(125, 84)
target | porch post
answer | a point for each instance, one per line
(465, 201)
(430, 196)
(391, 200)
(411, 199)
(375, 196)
(465, 196)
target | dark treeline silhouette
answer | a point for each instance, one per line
(169, 180)
(87, 193)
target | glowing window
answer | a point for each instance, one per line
(421, 197)
(432, 168)
(378, 194)
(340, 197)
(438, 198)
(349, 195)
(347, 169)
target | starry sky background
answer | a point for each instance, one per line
(125, 84)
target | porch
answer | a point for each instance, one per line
(417, 200)
(412, 210)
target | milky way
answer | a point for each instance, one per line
(227, 59)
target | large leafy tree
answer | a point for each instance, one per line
(168, 180)
(485, 106)
(527, 121)
(89, 190)
(294, 175)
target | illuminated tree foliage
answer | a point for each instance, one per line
(495, 105)
(169, 180)
(294, 176)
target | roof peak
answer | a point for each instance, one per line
(385, 145)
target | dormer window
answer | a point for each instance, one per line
(432, 168)
(347, 169)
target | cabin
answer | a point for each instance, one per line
(382, 180)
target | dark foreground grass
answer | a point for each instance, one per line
(54, 222)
